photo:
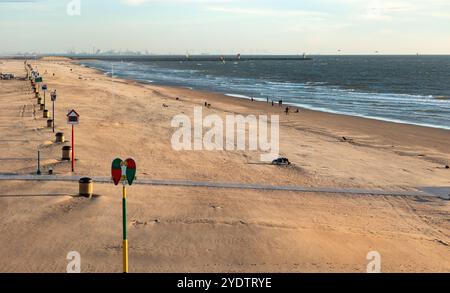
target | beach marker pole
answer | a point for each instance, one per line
(39, 163)
(125, 172)
(124, 216)
(53, 98)
(123, 168)
(73, 149)
(73, 118)
(53, 114)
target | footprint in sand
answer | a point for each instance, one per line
(137, 223)
(215, 207)
(47, 144)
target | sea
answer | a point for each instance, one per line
(402, 89)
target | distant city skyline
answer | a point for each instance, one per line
(225, 26)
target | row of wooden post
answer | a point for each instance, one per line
(67, 151)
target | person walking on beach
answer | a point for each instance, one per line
(280, 102)
(287, 110)
(272, 103)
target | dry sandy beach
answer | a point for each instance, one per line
(175, 229)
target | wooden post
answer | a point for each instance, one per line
(39, 163)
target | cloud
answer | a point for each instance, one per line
(134, 2)
(267, 12)
(391, 10)
(140, 2)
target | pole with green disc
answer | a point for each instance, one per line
(125, 172)
(124, 216)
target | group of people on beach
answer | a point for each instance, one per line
(280, 103)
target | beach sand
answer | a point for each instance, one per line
(175, 229)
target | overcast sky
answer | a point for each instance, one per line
(228, 26)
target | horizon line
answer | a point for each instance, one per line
(40, 55)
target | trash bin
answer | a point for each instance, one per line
(59, 137)
(67, 153)
(49, 123)
(86, 187)
(45, 114)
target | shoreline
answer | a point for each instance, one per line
(291, 105)
(363, 124)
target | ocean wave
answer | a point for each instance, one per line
(424, 110)
(238, 96)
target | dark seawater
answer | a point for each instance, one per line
(404, 89)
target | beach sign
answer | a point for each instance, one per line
(131, 170)
(116, 171)
(38, 79)
(123, 171)
(73, 118)
(44, 87)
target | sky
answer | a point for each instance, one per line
(226, 26)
